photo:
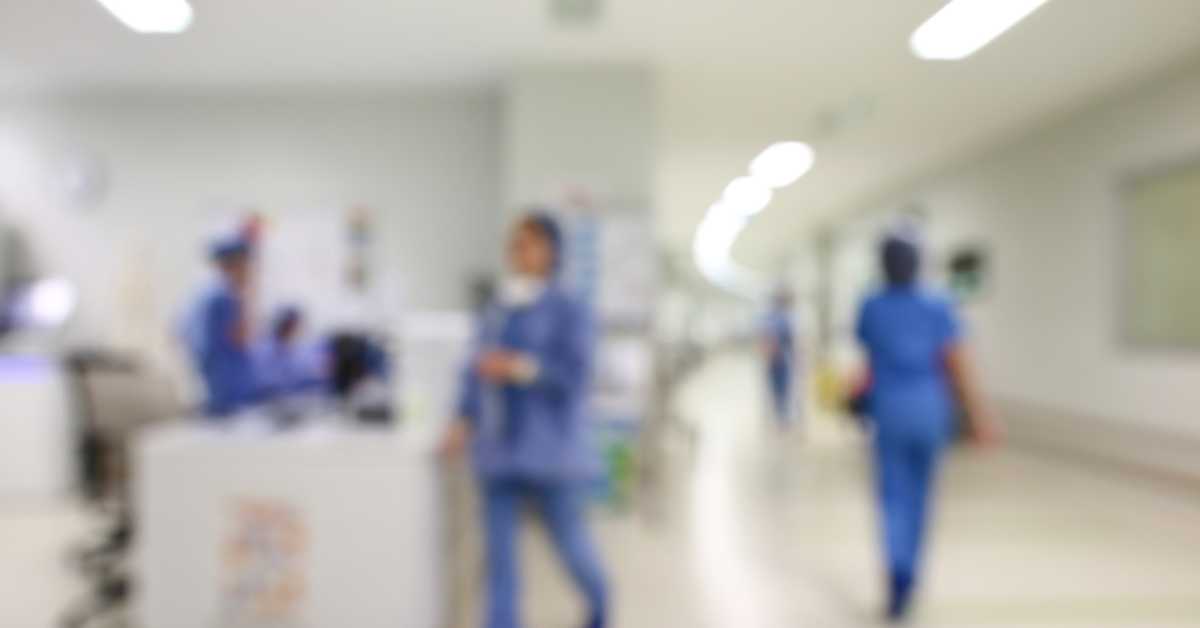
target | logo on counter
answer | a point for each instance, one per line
(264, 557)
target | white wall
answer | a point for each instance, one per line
(1046, 333)
(426, 163)
(583, 126)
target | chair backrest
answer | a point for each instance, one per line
(124, 401)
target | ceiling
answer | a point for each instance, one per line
(919, 117)
(734, 75)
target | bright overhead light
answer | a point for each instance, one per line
(46, 303)
(151, 16)
(714, 241)
(712, 249)
(721, 209)
(782, 163)
(964, 26)
(715, 236)
(746, 196)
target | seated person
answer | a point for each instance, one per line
(285, 365)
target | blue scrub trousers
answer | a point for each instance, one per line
(780, 377)
(561, 509)
(905, 472)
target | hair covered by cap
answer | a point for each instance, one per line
(900, 254)
(228, 248)
(548, 225)
(286, 317)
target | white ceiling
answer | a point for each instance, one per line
(926, 116)
(735, 74)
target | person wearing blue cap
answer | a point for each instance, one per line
(521, 412)
(220, 337)
(919, 375)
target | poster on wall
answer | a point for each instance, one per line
(329, 263)
(612, 265)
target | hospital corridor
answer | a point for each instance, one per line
(599, 314)
(748, 529)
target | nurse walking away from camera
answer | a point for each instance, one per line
(521, 413)
(779, 347)
(918, 371)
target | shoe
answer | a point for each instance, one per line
(596, 621)
(899, 596)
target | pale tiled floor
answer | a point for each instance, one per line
(751, 529)
(35, 579)
(758, 530)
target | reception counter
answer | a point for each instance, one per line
(316, 527)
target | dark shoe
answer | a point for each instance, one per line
(596, 621)
(899, 596)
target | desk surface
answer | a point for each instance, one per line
(315, 438)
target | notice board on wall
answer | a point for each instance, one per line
(1160, 298)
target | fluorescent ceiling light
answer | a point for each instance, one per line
(746, 196)
(782, 163)
(712, 250)
(151, 16)
(713, 244)
(721, 209)
(964, 26)
(715, 237)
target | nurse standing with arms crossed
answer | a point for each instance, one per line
(918, 370)
(521, 413)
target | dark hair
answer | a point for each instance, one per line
(229, 250)
(286, 319)
(901, 261)
(548, 226)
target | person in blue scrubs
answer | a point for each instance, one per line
(521, 412)
(779, 346)
(284, 365)
(220, 334)
(919, 375)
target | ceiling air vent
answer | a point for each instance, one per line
(576, 12)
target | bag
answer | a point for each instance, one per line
(858, 402)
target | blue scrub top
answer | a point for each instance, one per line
(226, 368)
(906, 333)
(282, 369)
(778, 328)
(537, 430)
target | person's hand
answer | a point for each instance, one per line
(455, 441)
(986, 433)
(497, 366)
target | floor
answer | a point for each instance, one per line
(36, 580)
(755, 528)
(752, 528)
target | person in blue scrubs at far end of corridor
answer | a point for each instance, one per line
(284, 365)
(779, 348)
(918, 376)
(521, 413)
(220, 337)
